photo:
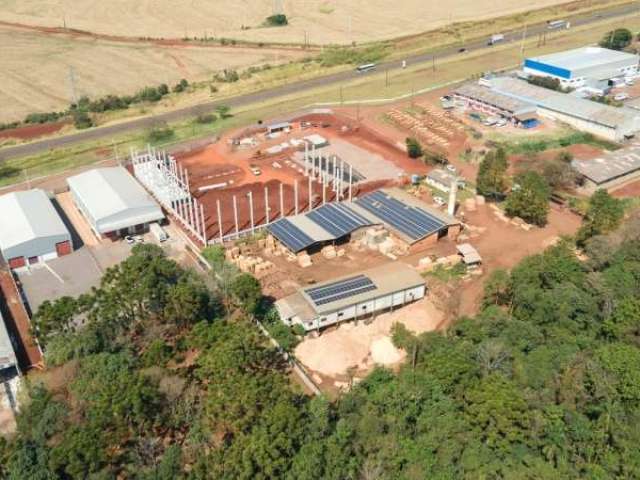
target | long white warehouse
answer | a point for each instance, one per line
(31, 231)
(113, 202)
(352, 296)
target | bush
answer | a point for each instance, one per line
(163, 89)
(205, 118)
(546, 82)
(435, 158)
(148, 94)
(43, 117)
(181, 86)
(226, 76)
(82, 120)
(414, 149)
(278, 20)
(160, 134)
(331, 57)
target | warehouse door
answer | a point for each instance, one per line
(16, 262)
(63, 248)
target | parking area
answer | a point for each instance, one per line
(71, 275)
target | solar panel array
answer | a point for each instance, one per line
(341, 289)
(290, 235)
(414, 222)
(337, 219)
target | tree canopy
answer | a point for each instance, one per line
(529, 198)
(544, 382)
(491, 181)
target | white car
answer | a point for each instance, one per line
(438, 201)
(620, 97)
(451, 168)
(130, 240)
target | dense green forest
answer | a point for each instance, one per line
(161, 375)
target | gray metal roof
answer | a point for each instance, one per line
(494, 99)
(388, 278)
(594, 112)
(7, 354)
(585, 57)
(26, 216)
(113, 196)
(441, 176)
(610, 165)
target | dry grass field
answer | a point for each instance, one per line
(35, 67)
(324, 21)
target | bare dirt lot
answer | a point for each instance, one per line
(35, 74)
(225, 170)
(362, 345)
(325, 21)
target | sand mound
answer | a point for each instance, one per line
(384, 353)
(363, 345)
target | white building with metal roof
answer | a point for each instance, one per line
(610, 169)
(31, 231)
(113, 202)
(8, 358)
(611, 123)
(353, 296)
(592, 66)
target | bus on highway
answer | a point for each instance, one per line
(366, 67)
(556, 24)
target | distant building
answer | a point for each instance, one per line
(31, 231)
(353, 296)
(611, 123)
(610, 169)
(113, 202)
(588, 66)
(484, 100)
(441, 179)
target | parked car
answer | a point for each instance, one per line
(619, 97)
(451, 168)
(129, 239)
(438, 201)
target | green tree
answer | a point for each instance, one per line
(247, 292)
(603, 216)
(617, 39)
(529, 199)
(491, 180)
(54, 318)
(223, 111)
(414, 149)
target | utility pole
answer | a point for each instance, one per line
(72, 85)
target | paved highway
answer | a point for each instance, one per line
(295, 87)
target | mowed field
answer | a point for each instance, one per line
(34, 73)
(323, 21)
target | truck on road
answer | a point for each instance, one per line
(496, 38)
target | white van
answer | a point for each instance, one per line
(158, 232)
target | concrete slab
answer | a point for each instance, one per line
(71, 275)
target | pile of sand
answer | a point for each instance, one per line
(362, 346)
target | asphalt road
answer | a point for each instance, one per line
(291, 88)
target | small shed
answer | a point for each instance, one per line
(278, 127)
(470, 255)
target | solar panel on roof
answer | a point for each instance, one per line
(337, 219)
(290, 235)
(414, 222)
(346, 288)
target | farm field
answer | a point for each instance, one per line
(35, 67)
(322, 21)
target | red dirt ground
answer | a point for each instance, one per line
(30, 132)
(223, 162)
(629, 190)
(17, 321)
(503, 245)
